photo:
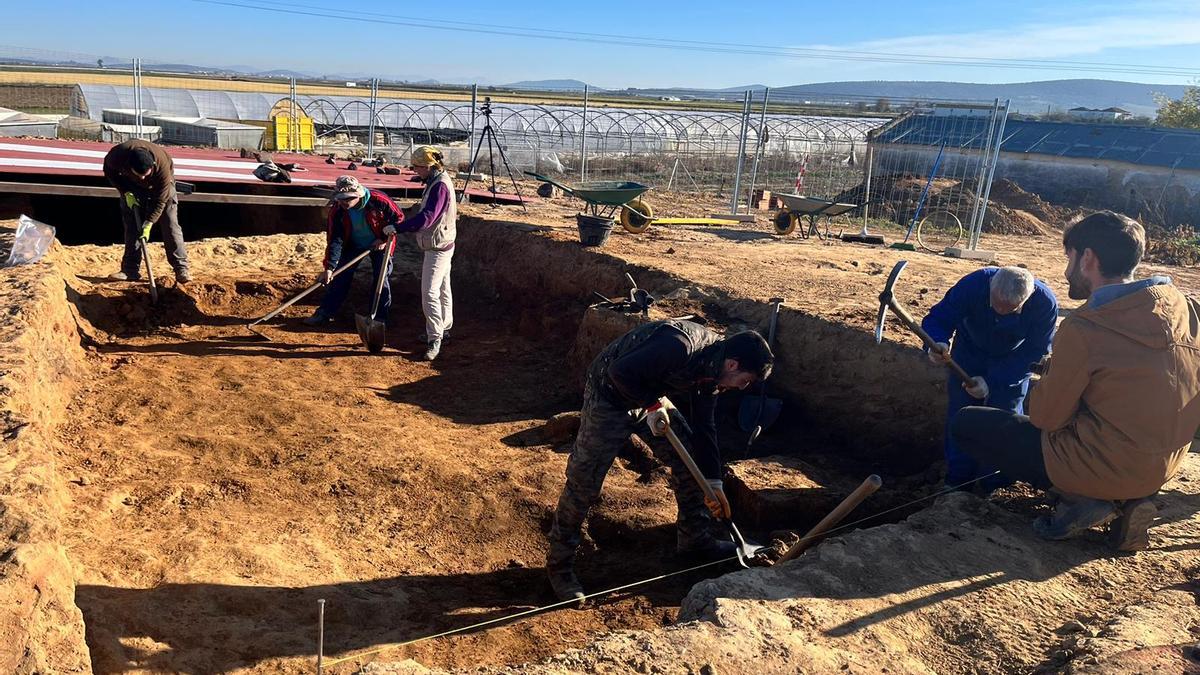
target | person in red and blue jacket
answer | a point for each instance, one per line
(1001, 320)
(359, 220)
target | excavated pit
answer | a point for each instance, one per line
(220, 485)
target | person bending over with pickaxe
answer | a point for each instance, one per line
(1114, 414)
(1001, 320)
(625, 382)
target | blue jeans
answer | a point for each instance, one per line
(960, 466)
(339, 288)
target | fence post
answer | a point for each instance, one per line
(867, 193)
(984, 158)
(991, 174)
(137, 98)
(583, 138)
(371, 123)
(759, 149)
(293, 137)
(737, 176)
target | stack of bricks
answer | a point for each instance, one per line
(762, 200)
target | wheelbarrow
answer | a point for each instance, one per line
(603, 198)
(798, 206)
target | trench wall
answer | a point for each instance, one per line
(871, 399)
(41, 629)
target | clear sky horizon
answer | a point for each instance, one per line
(379, 38)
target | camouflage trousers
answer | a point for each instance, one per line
(603, 430)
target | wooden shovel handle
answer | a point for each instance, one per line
(870, 485)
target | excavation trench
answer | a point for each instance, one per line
(220, 485)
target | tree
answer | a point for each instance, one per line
(1180, 114)
(100, 63)
(883, 105)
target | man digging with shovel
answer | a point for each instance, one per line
(359, 220)
(632, 375)
(145, 176)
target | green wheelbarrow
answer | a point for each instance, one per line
(603, 198)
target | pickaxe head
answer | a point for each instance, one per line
(886, 298)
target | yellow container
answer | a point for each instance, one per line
(281, 135)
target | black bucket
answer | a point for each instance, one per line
(593, 230)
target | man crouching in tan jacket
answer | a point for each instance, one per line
(1116, 410)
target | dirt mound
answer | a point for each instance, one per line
(1001, 219)
(1008, 194)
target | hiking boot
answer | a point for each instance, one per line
(183, 276)
(1073, 516)
(318, 318)
(122, 276)
(566, 586)
(434, 349)
(1131, 530)
(708, 548)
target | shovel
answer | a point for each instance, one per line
(746, 551)
(371, 330)
(143, 243)
(300, 296)
(760, 412)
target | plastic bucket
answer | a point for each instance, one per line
(593, 230)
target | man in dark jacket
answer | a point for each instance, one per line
(359, 220)
(634, 373)
(145, 176)
(1001, 320)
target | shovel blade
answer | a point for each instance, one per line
(373, 333)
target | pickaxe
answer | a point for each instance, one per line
(888, 299)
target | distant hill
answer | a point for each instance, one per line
(1027, 97)
(550, 85)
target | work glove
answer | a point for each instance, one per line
(939, 354)
(130, 200)
(977, 387)
(326, 277)
(658, 416)
(389, 230)
(719, 508)
(146, 230)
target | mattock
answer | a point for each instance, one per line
(888, 299)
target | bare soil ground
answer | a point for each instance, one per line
(220, 486)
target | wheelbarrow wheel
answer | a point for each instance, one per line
(785, 222)
(636, 216)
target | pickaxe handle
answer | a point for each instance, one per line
(869, 486)
(915, 327)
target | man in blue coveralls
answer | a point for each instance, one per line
(1002, 321)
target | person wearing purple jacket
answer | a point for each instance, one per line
(433, 222)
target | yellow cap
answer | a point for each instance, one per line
(426, 156)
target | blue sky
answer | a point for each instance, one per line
(1164, 33)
